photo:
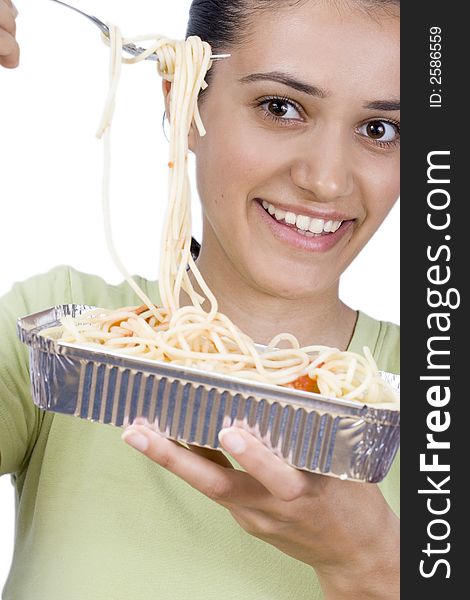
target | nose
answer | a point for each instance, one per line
(323, 166)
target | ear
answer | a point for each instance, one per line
(166, 87)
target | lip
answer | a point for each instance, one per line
(289, 235)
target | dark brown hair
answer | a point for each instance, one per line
(224, 23)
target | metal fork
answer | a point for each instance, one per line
(129, 48)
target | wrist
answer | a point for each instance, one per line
(373, 573)
(374, 588)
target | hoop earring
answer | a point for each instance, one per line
(164, 120)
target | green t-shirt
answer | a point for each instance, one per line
(96, 520)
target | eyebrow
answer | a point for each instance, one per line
(313, 90)
(286, 79)
(383, 105)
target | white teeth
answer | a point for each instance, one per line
(336, 226)
(316, 225)
(303, 223)
(306, 225)
(291, 218)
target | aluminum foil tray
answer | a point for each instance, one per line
(309, 431)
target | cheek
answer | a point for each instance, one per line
(380, 188)
(232, 159)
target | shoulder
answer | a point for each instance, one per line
(20, 420)
(383, 340)
(94, 290)
(37, 293)
(63, 285)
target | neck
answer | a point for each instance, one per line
(322, 318)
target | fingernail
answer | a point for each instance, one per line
(136, 440)
(14, 10)
(232, 441)
(141, 421)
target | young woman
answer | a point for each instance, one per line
(299, 167)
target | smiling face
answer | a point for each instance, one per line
(300, 163)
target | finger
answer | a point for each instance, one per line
(222, 485)
(7, 19)
(9, 50)
(283, 481)
(215, 456)
(143, 421)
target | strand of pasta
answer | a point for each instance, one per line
(191, 335)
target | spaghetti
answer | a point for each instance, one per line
(191, 335)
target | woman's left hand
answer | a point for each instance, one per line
(345, 530)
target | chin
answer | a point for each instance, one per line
(290, 285)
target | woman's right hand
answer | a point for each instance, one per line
(9, 49)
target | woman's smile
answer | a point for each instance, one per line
(314, 233)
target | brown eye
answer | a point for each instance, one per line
(375, 130)
(380, 131)
(281, 109)
(278, 108)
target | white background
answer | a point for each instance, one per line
(50, 165)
